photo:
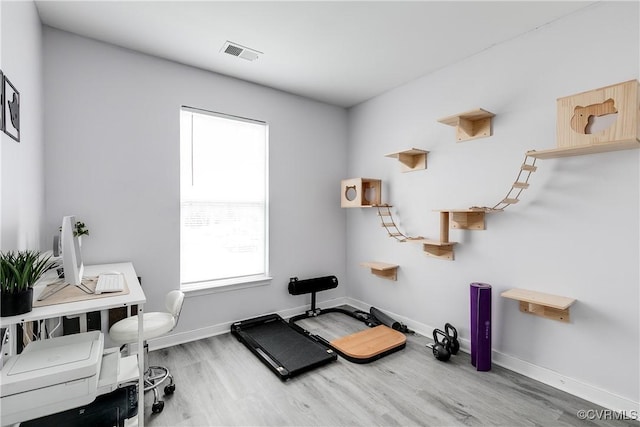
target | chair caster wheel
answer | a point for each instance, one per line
(170, 389)
(157, 407)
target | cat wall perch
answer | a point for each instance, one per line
(541, 304)
(471, 124)
(413, 159)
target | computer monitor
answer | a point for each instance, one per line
(71, 253)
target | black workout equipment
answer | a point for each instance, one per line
(449, 345)
(288, 349)
(390, 343)
(375, 317)
(452, 334)
(280, 347)
(317, 284)
(441, 349)
(387, 320)
(312, 286)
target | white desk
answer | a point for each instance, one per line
(134, 297)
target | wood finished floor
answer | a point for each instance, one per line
(221, 383)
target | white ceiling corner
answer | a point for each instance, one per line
(339, 52)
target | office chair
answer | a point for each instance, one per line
(154, 324)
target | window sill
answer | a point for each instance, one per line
(216, 286)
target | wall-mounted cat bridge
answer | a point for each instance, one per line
(366, 192)
(577, 134)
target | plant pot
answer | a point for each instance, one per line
(12, 304)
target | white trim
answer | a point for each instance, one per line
(221, 115)
(547, 376)
(554, 379)
(216, 284)
(570, 385)
(212, 287)
(223, 328)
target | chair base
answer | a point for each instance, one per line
(154, 377)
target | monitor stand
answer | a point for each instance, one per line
(54, 288)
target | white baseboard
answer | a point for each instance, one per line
(572, 386)
(222, 328)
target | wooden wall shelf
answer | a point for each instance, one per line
(466, 219)
(436, 249)
(412, 159)
(471, 124)
(555, 153)
(540, 304)
(382, 269)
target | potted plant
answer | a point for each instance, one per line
(19, 271)
(79, 230)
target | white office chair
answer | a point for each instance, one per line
(154, 324)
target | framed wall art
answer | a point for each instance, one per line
(10, 109)
(1, 101)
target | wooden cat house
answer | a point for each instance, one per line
(360, 192)
(599, 120)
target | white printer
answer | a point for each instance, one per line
(50, 376)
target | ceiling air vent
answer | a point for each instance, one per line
(240, 51)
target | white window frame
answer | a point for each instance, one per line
(239, 282)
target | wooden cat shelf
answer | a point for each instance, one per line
(437, 248)
(382, 269)
(540, 304)
(471, 124)
(466, 219)
(412, 159)
(461, 219)
(442, 248)
(597, 121)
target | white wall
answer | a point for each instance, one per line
(575, 232)
(112, 158)
(22, 171)
(111, 127)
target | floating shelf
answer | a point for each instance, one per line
(555, 153)
(471, 124)
(411, 160)
(540, 304)
(382, 269)
(436, 249)
(466, 219)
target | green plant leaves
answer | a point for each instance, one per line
(20, 270)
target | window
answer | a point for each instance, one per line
(223, 200)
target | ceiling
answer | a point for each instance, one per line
(339, 52)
